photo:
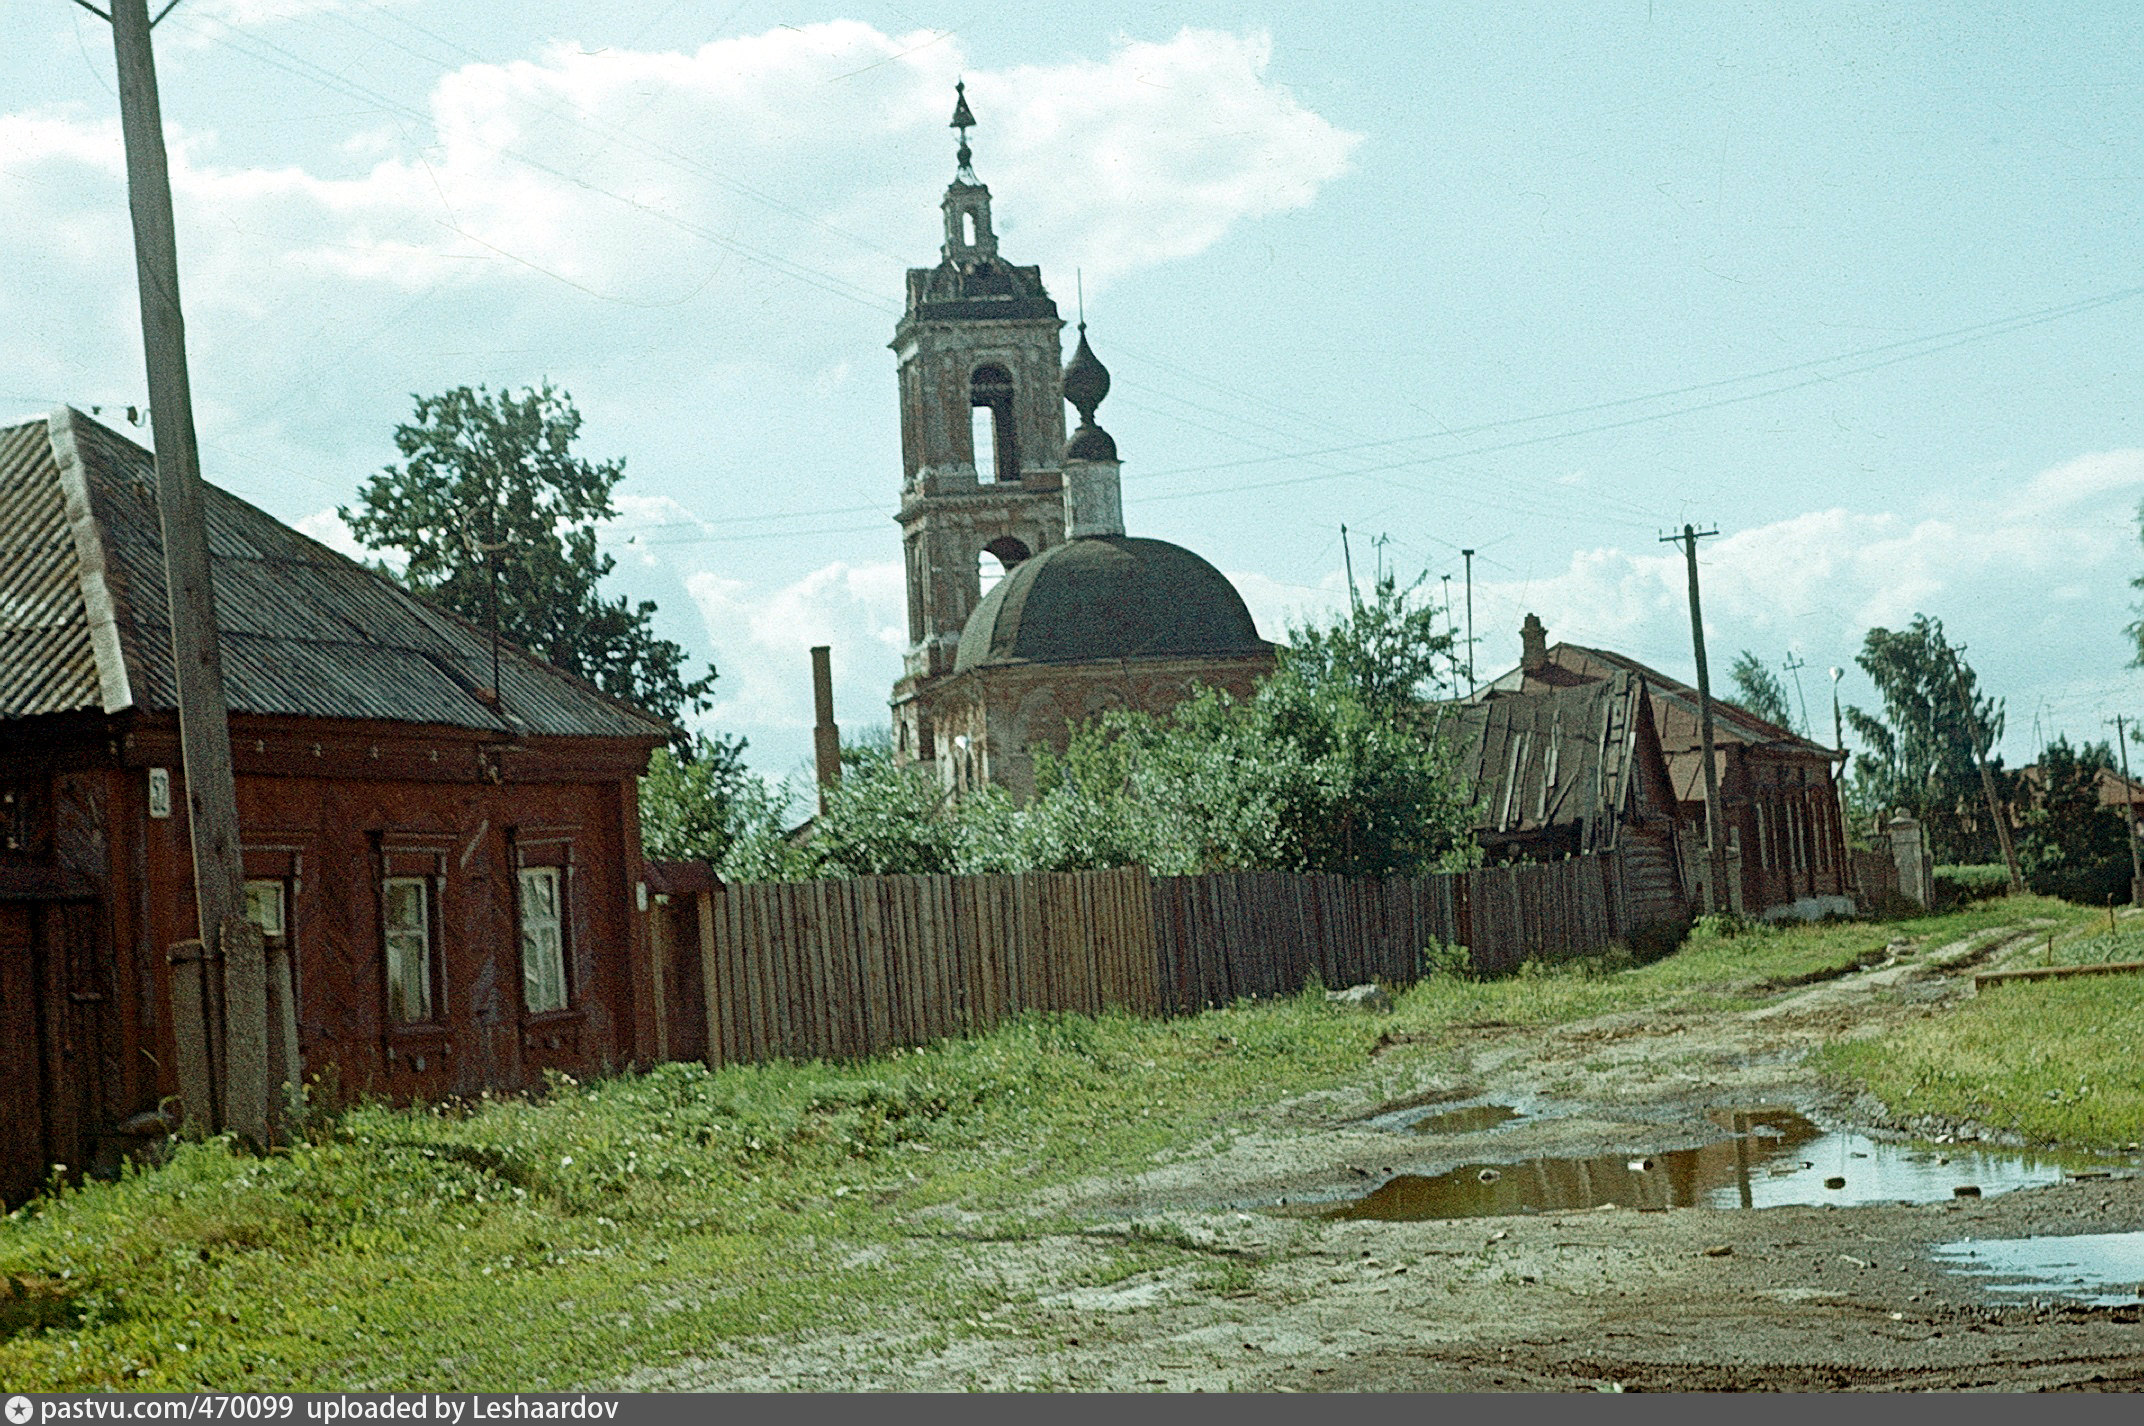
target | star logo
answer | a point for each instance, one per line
(18, 1410)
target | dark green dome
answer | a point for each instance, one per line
(1105, 598)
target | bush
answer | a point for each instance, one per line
(1957, 886)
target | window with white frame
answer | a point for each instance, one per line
(266, 906)
(408, 914)
(543, 944)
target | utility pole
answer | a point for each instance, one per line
(1451, 657)
(1715, 830)
(1468, 555)
(1347, 559)
(197, 664)
(1794, 665)
(1987, 780)
(1838, 737)
(2129, 799)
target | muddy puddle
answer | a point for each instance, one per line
(1471, 1120)
(2101, 1269)
(1770, 1157)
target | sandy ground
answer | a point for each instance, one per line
(1610, 1298)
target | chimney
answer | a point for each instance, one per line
(1533, 645)
(825, 737)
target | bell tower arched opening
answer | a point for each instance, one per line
(994, 428)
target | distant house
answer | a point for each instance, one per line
(457, 872)
(2125, 795)
(1578, 771)
(1779, 791)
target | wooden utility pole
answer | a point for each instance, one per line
(197, 665)
(2129, 809)
(1715, 830)
(1468, 555)
(1987, 780)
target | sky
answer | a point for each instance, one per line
(1856, 285)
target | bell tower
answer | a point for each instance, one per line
(982, 434)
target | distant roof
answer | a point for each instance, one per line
(1109, 597)
(1554, 758)
(1675, 703)
(305, 632)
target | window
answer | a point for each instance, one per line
(543, 947)
(265, 907)
(408, 904)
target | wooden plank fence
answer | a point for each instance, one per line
(844, 969)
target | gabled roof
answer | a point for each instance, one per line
(1553, 757)
(1675, 704)
(305, 632)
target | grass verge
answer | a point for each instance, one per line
(653, 1218)
(2057, 1061)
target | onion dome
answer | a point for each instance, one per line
(1086, 383)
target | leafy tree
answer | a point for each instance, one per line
(2071, 846)
(699, 804)
(1389, 649)
(1759, 690)
(490, 491)
(1919, 754)
(881, 819)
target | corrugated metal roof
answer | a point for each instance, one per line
(46, 662)
(305, 631)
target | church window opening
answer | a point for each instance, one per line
(967, 229)
(996, 449)
(996, 560)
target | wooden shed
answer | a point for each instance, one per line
(1578, 771)
(456, 871)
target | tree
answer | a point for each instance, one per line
(491, 502)
(697, 805)
(1759, 690)
(1389, 649)
(2072, 846)
(1919, 756)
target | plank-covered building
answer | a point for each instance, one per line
(455, 870)
(1779, 791)
(1578, 772)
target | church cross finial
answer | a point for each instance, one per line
(963, 120)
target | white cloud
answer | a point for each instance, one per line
(762, 639)
(2032, 580)
(327, 527)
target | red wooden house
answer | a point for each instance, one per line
(456, 871)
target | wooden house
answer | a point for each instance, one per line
(456, 871)
(1779, 791)
(1578, 771)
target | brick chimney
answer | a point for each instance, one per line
(826, 737)
(1533, 645)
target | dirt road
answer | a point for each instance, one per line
(1272, 1293)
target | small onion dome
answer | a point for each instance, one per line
(1086, 383)
(1106, 598)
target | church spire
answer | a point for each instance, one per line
(963, 120)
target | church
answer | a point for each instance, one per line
(1082, 618)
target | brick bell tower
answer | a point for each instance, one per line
(982, 435)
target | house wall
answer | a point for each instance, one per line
(330, 809)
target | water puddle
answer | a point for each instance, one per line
(2102, 1269)
(1771, 1157)
(1470, 1120)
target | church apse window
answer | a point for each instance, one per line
(997, 452)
